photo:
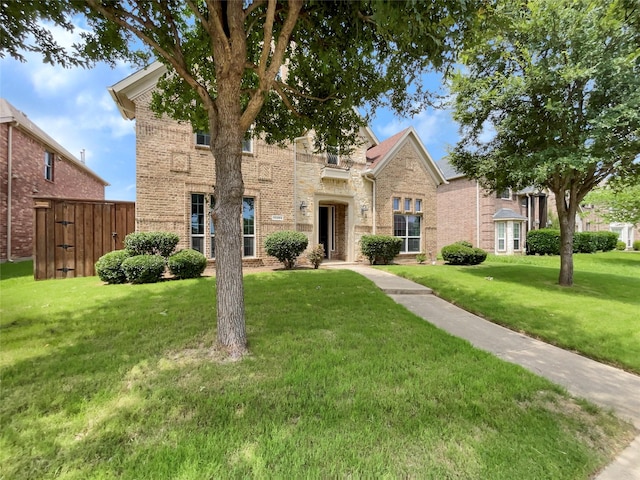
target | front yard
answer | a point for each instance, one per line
(121, 381)
(599, 316)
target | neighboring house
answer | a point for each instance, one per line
(496, 222)
(589, 221)
(382, 187)
(34, 164)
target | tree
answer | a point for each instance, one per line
(278, 67)
(550, 97)
(616, 203)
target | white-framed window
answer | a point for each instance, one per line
(418, 205)
(501, 236)
(247, 145)
(48, 165)
(504, 194)
(396, 204)
(407, 205)
(516, 235)
(407, 227)
(203, 139)
(212, 231)
(197, 222)
(249, 227)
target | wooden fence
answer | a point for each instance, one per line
(70, 235)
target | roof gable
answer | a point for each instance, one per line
(380, 155)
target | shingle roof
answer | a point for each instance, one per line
(377, 153)
(448, 170)
(507, 214)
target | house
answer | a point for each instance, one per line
(34, 164)
(496, 222)
(384, 187)
(590, 221)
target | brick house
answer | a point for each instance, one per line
(384, 187)
(34, 164)
(496, 222)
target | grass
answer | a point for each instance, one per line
(598, 317)
(120, 381)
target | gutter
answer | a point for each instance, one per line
(367, 175)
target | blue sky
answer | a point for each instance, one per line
(74, 107)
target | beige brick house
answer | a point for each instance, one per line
(496, 222)
(34, 164)
(384, 187)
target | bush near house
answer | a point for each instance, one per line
(109, 267)
(316, 256)
(584, 242)
(187, 263)
(143, 268)
(606, 240)
(621, 246)
(286, 246)
(636, 245)
(380, 248)
(151, 243)
(546, 241)
(460, 253)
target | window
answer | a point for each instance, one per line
(418, 205)
(516, 235)
(247, 144)
(48, 166)
(407, 204)
(249, 226)
(504, 194)
(212, 235)
(197, 222)
(408, 228)
(501, 236)
(396, 204)
(203, 139)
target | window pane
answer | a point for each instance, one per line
(399, 226)
(396, 203)
(203, 138)
(418, 204)
(407, 204)
(414, 225)
(197, 243)
(247, 145)
(197, 214)
(501, 235)
(249, 250)
(213, 246)
(248, 216)
(414, 245)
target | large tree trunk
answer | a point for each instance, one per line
(567, 217)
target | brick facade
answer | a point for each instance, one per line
(293, 188)
(71, 179)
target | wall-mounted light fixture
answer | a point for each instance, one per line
(303, 206)
(363, 209)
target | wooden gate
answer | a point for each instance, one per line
(70, 235)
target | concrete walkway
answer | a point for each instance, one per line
(603, 385)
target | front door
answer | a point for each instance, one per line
(326, 220)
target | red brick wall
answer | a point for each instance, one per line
(69, 181)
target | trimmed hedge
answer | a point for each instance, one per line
(460, 253)
(545, 241)
(584, 242)
(380, 248)
(636, 245)
(621, 246)
(606, 240)
(151, 243)
(109, 266)
(187, 263)
(143, 268)
(286, 246)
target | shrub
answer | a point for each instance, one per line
(316, 256)
(606, 241)
(465, 243)
(636, 245)
(584, 242)
(420, 258)
(187, 263)
(621, 246)
(109, 266)
(460, 254)
(286, 246)
(545, 241)
(380, 248)
(143, 268)
(151, 243)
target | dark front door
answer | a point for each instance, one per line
(323, 229)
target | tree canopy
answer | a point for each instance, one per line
(279, 67)
(616, 203)
(550, 97)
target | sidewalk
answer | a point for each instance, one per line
(601, 384)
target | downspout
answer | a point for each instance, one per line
(478, 214)
(9, 188)
(366, 176)
(295, 181)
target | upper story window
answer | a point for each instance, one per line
(48, 166)
(407, 204)
(418, 205)
(504, 194)
(247, 144)
(396, 204)
(203, 139)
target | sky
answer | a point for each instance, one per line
(74, 107)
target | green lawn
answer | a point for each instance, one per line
(120, 382)
(599, 316)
